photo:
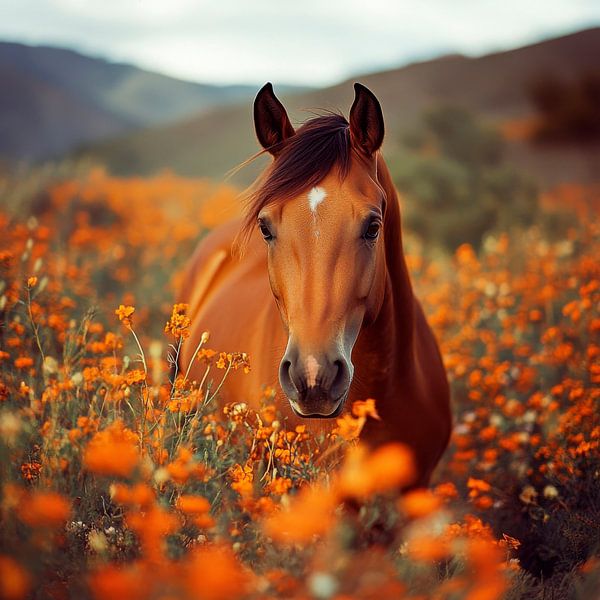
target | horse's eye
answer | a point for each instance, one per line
(265, 231)
(372, 231)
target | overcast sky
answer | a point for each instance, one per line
(312, 42)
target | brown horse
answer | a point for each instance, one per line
(323, 257)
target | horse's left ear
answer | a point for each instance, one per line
(366, 121)
(271, 122)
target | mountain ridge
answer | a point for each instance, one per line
(55, 99)
(495, 86)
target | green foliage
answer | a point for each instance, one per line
(456, 185)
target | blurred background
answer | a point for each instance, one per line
(492, 109)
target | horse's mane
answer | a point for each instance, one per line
(303, 161)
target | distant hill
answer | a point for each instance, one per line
(494, 86)
(54, 99)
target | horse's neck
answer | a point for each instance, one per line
(398, 307)
(389, 339)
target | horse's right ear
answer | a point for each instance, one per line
(271, 122)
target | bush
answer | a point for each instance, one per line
(567, 111)
(456, 186)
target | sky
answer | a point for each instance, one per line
(307, 42)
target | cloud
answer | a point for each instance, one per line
(310, 42)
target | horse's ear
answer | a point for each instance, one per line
(270, 120)
(366, 121)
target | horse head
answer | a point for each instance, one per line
(321, 210)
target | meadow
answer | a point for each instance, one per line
(117, 481)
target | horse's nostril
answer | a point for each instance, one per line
(284, 371)
(341, 378)
(287, 379)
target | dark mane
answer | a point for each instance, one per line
(303, 162)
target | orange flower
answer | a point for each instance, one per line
(184, 467)
(135, 376)
(389, 467)
(119, 582)
(243, 478)
(427, 548)
(139, 494)
(31, 281)
(279, 485)
(446, 490)
(113, 451)
(214, 573)
(124, 313)
(152, 526)
(23, 362)
(44, 509)
(309, 514)
(14, 580)
(365, 408)
(193, 505)
(348, 428)
(419, 503)
(179, 323)
(476, 486)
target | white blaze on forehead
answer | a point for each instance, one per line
(315, 197)
(312, 368)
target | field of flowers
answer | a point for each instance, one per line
(120, 480)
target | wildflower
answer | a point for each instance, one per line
(243, 478)
(97, 541)
(184, 467)
(446, 490)
(322, 585)
(279, 485)
(477, 486)
(550, 492)
(348, 427)
(386, 468)
(309, 514)
(24, 362)
(206, 355)
(217, 573)
(193, 505)
(31, 470)
(135, 377)
(44, 509)
(419, 503)
(10, 426)
(365, 408)
(32, 281)
(528, 495)
(130, 581)
(14, 579)
(152, 526)
(124, 313)
(139, 494)
(112, 451)
(179, 323)
(427, 548)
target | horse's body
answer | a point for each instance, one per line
(394, 355)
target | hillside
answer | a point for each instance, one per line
(494, 86)
(55, 99)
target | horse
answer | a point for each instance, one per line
(320, 297)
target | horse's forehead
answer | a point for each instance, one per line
(333, 194)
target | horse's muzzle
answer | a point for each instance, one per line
(316, 385)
